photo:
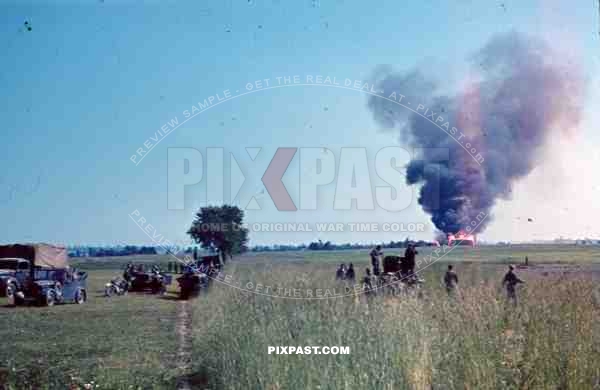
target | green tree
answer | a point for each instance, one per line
(220, 229)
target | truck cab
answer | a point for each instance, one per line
(13, 271)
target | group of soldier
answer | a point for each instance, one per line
(131, 270)
(509, 282)
(344, 273)
(407, 269)
(347, 274)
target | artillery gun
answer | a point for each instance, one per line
(396, 278)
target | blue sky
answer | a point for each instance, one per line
(92, 80)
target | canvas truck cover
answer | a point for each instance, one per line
(42, 255)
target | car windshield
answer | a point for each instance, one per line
(49, 274)
(8, 264)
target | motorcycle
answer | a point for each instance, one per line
(116, 287)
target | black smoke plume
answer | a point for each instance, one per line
(492, 132)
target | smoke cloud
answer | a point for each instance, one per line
(517, 96)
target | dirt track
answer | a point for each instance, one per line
(183, 328)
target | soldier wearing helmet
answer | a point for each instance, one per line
(510, 282)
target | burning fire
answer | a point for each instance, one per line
(461, 238)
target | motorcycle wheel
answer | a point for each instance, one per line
(80, 297)
(108, 291)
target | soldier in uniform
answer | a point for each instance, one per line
(369, 283)
(450, 280)
(375, 254)
(409, 256)
(127, 272)
(341, 272)
(350, 276)
(510, 282)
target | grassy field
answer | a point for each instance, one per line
(551, 340)
(486, 254)
(115, 342)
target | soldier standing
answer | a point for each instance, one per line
(127, 272)
(510, 282)
(375, 254)
(350, 276)
(341, 272)
(410, 255)
(369, 283)
(450, 280)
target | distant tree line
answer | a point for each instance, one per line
(131, 250)
(328, 245)
(127, 250)
(277, 248)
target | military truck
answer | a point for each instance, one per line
(40, 274)
(192, 282)
(196, 276)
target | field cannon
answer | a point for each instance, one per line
(396, 278)
(393, 264)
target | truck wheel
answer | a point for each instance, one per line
(80, 296)
(50, 298)
(11, 290)
(185, 294)
(159, 289)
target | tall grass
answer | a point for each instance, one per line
(550, 340)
